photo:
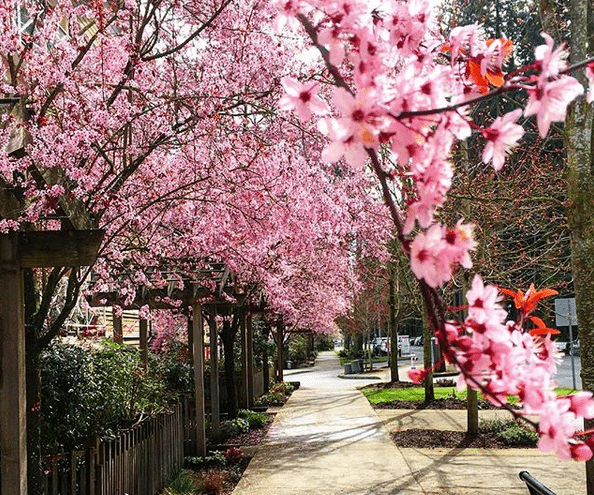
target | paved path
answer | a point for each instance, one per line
(327, 440)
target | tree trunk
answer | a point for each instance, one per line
(228, 338)
(394, 377)
(265, 368)
(580, 176)
(427, 361)
(280, 354)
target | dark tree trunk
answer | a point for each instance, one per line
(265, 368)
(579, 128)
(394, 377)
(228, 337)
(427, 361)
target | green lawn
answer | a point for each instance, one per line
(413, 394)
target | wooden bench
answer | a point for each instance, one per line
(535, 487)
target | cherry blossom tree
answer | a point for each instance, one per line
(163, 131)
(403, 88)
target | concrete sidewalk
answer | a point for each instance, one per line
(327, 444)
(328, 440)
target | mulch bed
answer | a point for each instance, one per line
(253, 437)
(446, 403)
(446, 439)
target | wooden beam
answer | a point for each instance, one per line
(190, 332)
(198, 332)
(118, 330)
(13, 430)
(59, 248)
(153, 298)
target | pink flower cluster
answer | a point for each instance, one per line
(434, 254)
(501, 358)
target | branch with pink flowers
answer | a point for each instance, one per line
(393, 94)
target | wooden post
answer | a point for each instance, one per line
(244, 364)
(214, 379)
(280, 327)
(143, 335)
(191, 340)
(118, 332)
(198, 334)
(250, 361)
(13, 421)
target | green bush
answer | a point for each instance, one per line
(234, 427)
(255, 419)
(277, 396)
(297, 349)
(86, 392)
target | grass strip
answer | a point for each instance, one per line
(417, 394)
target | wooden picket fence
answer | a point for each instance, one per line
(135, 462)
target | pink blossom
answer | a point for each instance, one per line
(354, 133)
(483, 301)
(502, 136)
(416, 375)
(549, 101)
(302, 99)
(425, 261)
(552, 62)
(582, 404)
(343, 144)
(556, 428)
(580, 451)
(288, 10)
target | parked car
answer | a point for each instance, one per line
(561, 346)
(380, 346)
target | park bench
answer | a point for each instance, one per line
(535, 487)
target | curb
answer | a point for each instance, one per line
(359, 377)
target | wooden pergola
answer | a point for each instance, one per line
(202, 299)
(19, 250)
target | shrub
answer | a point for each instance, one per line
(86, 392)
(297, 349)
(277, 396)
(233, 455)
(343, 354)
(234, 427)
(213, 481)
(255, 419)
